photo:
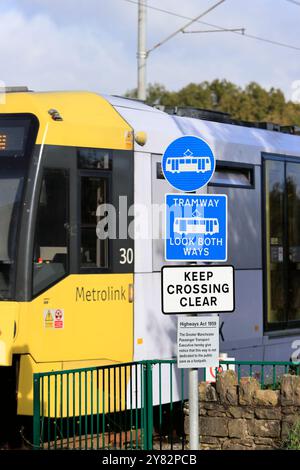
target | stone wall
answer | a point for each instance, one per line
(244, 417)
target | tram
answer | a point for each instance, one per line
(69, 298)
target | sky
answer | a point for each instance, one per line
(91, 44)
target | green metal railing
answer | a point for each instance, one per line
(137, 405)
(109, 407)
(267, 373)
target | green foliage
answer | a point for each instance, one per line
(253, 103)
(293, 440)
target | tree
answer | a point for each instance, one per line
(253, 103)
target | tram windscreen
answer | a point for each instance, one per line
(10, 198)
(15, 132)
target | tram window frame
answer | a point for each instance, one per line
(101, 175)
(94, 159)
(243, 169)
(285, 326)
(66, 173)
(239, 169)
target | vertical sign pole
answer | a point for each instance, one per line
(190, 174)
(194, 409)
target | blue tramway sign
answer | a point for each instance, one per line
(188, 163)
(196, 227)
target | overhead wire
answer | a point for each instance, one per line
(294, 2)
(222, 28)
(181, 30)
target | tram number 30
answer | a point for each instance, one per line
(126, 256)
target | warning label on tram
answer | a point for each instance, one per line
(197, 289)
(54, 318)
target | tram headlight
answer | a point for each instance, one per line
(140, 138)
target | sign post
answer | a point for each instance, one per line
(194, 409)
(198, 346)
(196, 230)
(196, 290)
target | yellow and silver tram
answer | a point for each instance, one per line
(70, 299)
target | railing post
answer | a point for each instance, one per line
(148, 405)
(36, 411)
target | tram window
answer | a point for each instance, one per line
(159, 172)
(94, 159)
(233, 175)
(282, 236)
(50, 258)
(93, 250)
(226, 173)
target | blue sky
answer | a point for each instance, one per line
(71, 44)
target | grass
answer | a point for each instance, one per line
(293, 440)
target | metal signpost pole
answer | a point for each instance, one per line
(194, 408)
(196, 230)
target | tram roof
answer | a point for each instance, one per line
(89, 120)
(228, 141)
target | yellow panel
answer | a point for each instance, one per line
(94, 327)
(97, 320)
(94, 323)
(88, 119)
(94, 391)
(8, 325)
(25, 386)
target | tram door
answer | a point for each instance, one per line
(293, 195)
(282, 235)
(94, 194)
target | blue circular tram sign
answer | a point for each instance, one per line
(188, 163)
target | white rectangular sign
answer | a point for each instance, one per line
(197, 289)
(198, 342)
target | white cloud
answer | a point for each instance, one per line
(68, 44)
(37, 52)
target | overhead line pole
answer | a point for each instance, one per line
(143, 53)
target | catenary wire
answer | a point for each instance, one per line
(250, 36)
